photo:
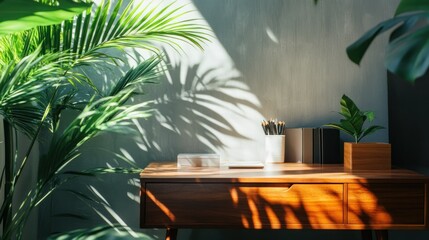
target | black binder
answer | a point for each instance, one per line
(326, 142)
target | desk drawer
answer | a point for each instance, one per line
(242, 205)
(386, 204)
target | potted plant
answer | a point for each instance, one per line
(359, 155)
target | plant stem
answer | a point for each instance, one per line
(33, 140)
(8, 171)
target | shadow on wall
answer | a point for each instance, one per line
(199, 109)
(292, 55)
(201, 105)
(253, 30)
(195, 110)
(252, 33)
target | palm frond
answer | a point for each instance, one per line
(136, 26)
(146, 72)
(40, 70)
(108, 114)
(22, 85)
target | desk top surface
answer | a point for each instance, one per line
(276, 173)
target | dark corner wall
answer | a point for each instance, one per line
(408, 121)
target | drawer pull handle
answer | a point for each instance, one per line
(287, 189)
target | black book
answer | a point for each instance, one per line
(326, 146)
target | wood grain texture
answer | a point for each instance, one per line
(276, 173)
(292, 196)
(255, 206)
(367, 156)
(386, 203)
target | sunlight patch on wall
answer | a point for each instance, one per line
(271, 35)
(203, 105)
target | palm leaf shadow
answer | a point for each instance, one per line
(190, 109)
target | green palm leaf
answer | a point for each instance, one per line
(40, 70)
(20, 15)
(146, 72)
(22, 86)
(135, 26)
(108, 114)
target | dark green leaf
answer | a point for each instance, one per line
(357, 123)
(20, 15)
(357, 50)
(350, 127)
(369, 131)
(370, 115)
(407, 56)
(354, 120)
(340, 127)
(348, 107)
(408, 24)
(412, 6)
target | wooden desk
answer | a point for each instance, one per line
(283, 196)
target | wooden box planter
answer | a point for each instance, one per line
(367, 156)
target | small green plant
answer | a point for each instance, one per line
(354, 119)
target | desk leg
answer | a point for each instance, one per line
(171, 234)
(381, 234)
(366, 234)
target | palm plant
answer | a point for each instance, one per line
(41, 75)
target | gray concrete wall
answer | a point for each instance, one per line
(281, 59)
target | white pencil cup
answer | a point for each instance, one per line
(274, 148)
